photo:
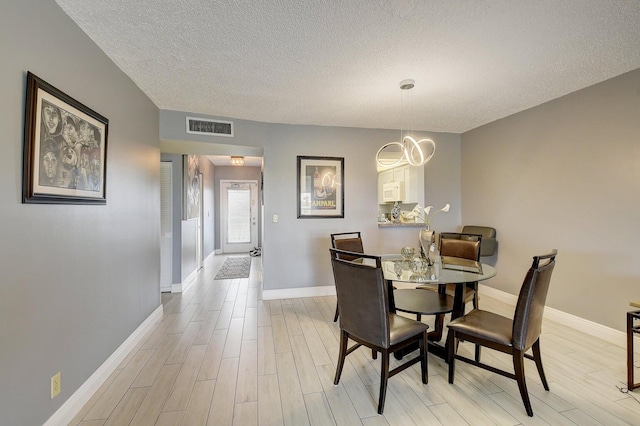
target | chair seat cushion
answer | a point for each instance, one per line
(485, 325)
(402, 328)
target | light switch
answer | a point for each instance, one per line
(275, 218)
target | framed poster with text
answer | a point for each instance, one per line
(320, 187)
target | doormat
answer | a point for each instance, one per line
(234, 267)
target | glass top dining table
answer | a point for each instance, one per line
(435, 274)
(405, 297)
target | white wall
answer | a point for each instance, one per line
(565, 175)
(77, 280)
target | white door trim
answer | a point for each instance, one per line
(224, 186)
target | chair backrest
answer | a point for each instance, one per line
(347, 241)
(489, 243)
(527, 320)
(363, 297)
(465, 246)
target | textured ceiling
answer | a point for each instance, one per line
(338, 63)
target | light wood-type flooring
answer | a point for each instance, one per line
(222, 356)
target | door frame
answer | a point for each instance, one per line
(200, 226)
(166, 239)
(255, 210)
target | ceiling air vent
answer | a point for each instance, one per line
(207, 126)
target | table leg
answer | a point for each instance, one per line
(436, 335)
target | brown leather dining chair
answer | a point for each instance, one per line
(363, 299)
(348, 241)
(513, 337)
(465, 246)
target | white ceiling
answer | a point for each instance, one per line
(338, 63)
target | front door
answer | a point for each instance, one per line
(239, 214)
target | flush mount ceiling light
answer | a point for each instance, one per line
(237, 160)
(416, 153)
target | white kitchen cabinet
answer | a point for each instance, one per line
(411, 176)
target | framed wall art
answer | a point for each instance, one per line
(320, 187)
(65, 148)
(191, 182)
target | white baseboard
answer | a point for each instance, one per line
(594, 329)
(600, 331)
(290, 293)
(185, 284)
(74, 404)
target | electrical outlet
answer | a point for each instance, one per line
(56, 385)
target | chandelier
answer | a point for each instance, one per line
(415, 152)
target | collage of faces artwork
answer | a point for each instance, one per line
(70, 155)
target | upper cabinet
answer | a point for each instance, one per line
(412, 179)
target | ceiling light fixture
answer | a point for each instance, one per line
(237, 160)
(408, 149)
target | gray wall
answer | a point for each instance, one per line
(565, 175)
(295, 251)
(76, 280)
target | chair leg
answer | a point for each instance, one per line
(451, 354)
(374, 354)
(335, 317)
(518, 367)
(424, 366)
(538, 359)
(384, 378)
(475, 306)
(343, 353)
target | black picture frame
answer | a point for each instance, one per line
(65, 148)
(320, 183)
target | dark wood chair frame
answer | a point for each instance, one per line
(521, 328)
(352, 244)
(631, 330)
(337, 256)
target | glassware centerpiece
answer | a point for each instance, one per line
(419, 265)
(407, 253)
(427, 236)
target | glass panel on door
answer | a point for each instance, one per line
(239, 215)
